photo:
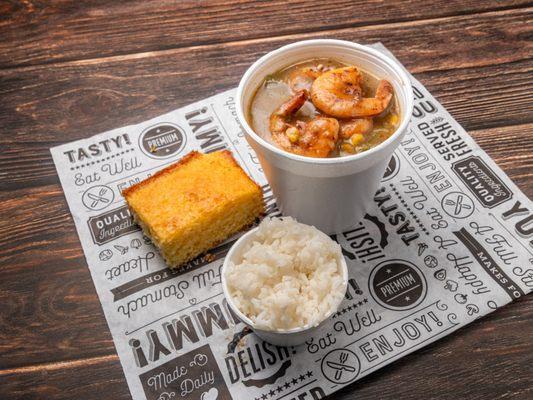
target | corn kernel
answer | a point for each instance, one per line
(293, 134)
(347, 148)
(393, 119)
(357, 138)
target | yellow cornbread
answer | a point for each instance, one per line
(192, 205)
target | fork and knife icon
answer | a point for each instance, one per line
(340, 367)
(98, 198)
(458, 204)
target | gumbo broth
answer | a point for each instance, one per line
(324, 108)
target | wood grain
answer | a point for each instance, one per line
(476, 97)
(45, 105)
(38, 32)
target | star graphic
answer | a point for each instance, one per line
(360, 303)
(294, 381)
(309, 374)
(158, 130)
(271, 393)
(365, 300)
(302, 378)
(388, 271)
(279, 389)
(264, 396)
(287, 385)
(407, 298)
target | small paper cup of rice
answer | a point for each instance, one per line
(284, 280)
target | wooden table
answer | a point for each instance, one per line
(70, 69)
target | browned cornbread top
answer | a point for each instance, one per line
(188, 193)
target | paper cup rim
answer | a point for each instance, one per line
(247, 321)
(389, 62)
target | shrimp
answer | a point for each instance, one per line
(338, 93)
(319, 137)
(360, 126)
(315, 138)
(303, 78)
(279, 119)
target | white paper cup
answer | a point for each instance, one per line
(289, 337)
(330, 193)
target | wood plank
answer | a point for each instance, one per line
(476, 97)
(511, 149)
(136, 83)
(88, 379)
(36, 32)
(449, 368)
(49, 303)
(50, 311)
(47, 105)
(468, 93)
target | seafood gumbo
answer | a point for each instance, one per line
(323, 108)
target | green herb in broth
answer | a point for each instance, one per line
(270, 78)
(280, 87)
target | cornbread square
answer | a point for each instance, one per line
(190, 206)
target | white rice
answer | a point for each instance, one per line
(289, 276)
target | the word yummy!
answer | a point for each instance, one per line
(205, 131)
(185, 329)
